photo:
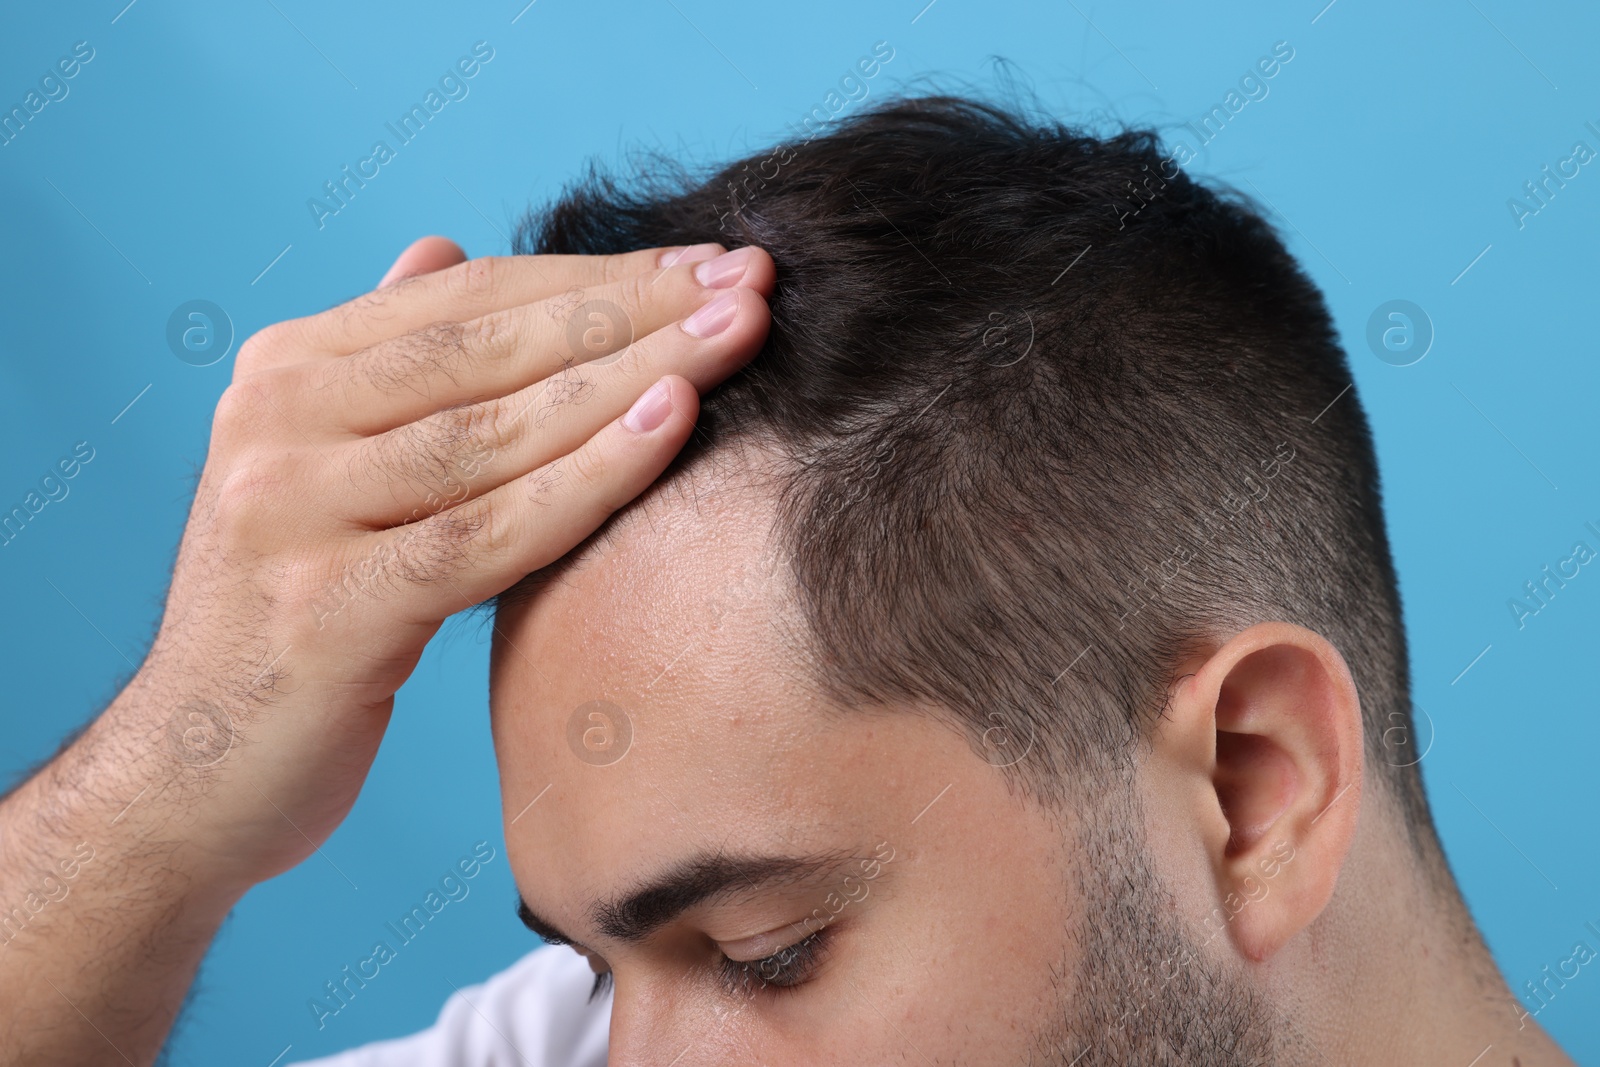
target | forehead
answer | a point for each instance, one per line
(675, 633)
(654, 703)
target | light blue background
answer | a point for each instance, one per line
(189, 146)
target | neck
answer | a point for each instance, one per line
(1398, 955)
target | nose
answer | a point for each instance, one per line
(658, 1025)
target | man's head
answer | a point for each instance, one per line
(985, 672)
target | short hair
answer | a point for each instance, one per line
(1055, 414)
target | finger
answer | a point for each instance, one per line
(461, 453)
(400, 381)
(469, 553)
(472, 288)
(424, 256)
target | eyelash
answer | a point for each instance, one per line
(780, 972)
(789, 967)
(602, 980)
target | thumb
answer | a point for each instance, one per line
(424, 256)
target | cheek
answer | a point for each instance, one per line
(949, 960)
(970, 965)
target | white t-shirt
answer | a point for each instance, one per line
(535, 1013)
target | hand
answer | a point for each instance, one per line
(374, 469)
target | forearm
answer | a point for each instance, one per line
(104, 912)
(245, 737)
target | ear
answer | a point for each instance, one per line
(1271, 724)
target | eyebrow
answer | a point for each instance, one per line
(637, 914)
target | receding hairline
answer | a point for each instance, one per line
(913, 590)
(739, 468)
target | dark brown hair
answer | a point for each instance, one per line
(1058, 414)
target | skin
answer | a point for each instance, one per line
(372, 470)
(989, 937)
(963, 922)
(634, 818)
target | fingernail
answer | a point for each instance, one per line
(692, 254)
(723, 271)
(712, 317)
(650, 410)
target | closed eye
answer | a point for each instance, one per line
(602, 977)
(781, 971)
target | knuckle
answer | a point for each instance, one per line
(485, 276)
(439, 548)
(440, 343)
(635, 357)
(375, 308)
(241, 407)
(266, 347)
(637, 292)
(543, 483)
(493, 533)
(440, 453)
(494, 429)
(471, 428)
(589, 467)
(473, 279)
(615, 269)
(492, 335)
(414, 356)
(568, 386)
(253, 490)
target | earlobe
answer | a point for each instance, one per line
(1286, 778)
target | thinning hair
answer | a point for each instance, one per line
(1056, 415)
